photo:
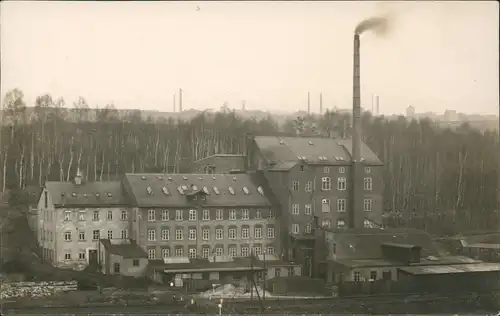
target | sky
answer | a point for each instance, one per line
(436, 55)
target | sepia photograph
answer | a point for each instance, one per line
(249, 157)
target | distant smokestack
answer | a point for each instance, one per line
(377, 105)
(243, 105)
(321, 103)
(174, 102)
(180, 100)
(308, 103)
(356, 103)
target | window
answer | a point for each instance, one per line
(308, 228)
(218, 215)
(270, 233)
(368, 170)
(81, 255)
(232, 233)
(192, 234)
(81, 215)
(178, 215)
(309, 186)
(357, 276)
(95, 216)
(109, 215)
(277, 272)
(257, 250)
(192, 253)
(151, 254)
(373, 275)
(295, 185)
(67, 256)
(179, 234)
(232, 215)
(257, 232)
(367, 205)
(123, 215)
(270, 215)
(270, 251)
(46, 199)
(67, 215)
(124, 234)
(368, 184)
(151, 235)
(219, 251)
(205, 252)
(165, 234)
(308, 209)
(206, 215)
(67, 236)
(258, 214)
(326, 183)
(326, 169)
(151, 215)
(341, 184)
(135, 262)
(341, 205)
(367, 223)
(334, 248)
(96, 234)
(341, 169)
(295, 209)
(232, 251)
(81, 235)
(244, 251)
(340, 223)
(291, 271)
(295, 228)
(205, 234)
(116, 267)
(165, 215)
(110, 234)
(326, 223)
(245, 232)
(325, 205)
(219, 234)
(245, 214)
(302, 168)
(192, 215)
(179, 252)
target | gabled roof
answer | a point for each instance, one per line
(126, 250)
(89, 194)
(312, 150)
(170, 190)
(225, 156)
(365, 243)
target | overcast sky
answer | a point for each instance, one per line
(137, 55)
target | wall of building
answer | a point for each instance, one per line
(127, 267)
(220, 163)
(160, 224)
(273, 272)
(46, 218)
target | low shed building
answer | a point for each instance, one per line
(123, 257)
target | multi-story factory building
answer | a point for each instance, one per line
(312, 179)
(201, 215)
(73, 216)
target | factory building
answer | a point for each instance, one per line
(219, 163)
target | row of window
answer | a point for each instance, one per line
(232, 251)
(341, 206)
(96, 235)
(205, 215)
(232, 233)
(326, 184)
(327, 223)
(342, 170)
(96, 215)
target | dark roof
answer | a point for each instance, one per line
(137, 185)
(425, 261)
(452, 269)
(292, 149)
(225, 156)
(205, 265)
(125, 250)
(399, 245)
(67, 194)
(365, 243)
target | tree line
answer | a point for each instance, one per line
(433, 177)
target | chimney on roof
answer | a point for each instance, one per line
(78, 177)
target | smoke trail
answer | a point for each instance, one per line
(377, 24)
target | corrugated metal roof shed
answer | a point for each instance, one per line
(451, 269)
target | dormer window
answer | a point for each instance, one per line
(160, 178)
(165, 190)
(194, 187)
(216, 191)
(109, 194)
(184, 187)
(181, 191)
(73, 194)
(63, 194)
(84, 194)
(245, 190)
(184, 177)
(97, 194)
(149, 190)
(143, 177)
(231, 190)
(261, 191)
(205, 190)
(234, 178)
(170, 178)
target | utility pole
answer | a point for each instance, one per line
(174, 102)
(180, 100)
(321, 103)
(308, 103)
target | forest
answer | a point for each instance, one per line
(436, 179)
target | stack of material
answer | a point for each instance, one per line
(230, 291)
(36, 289)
